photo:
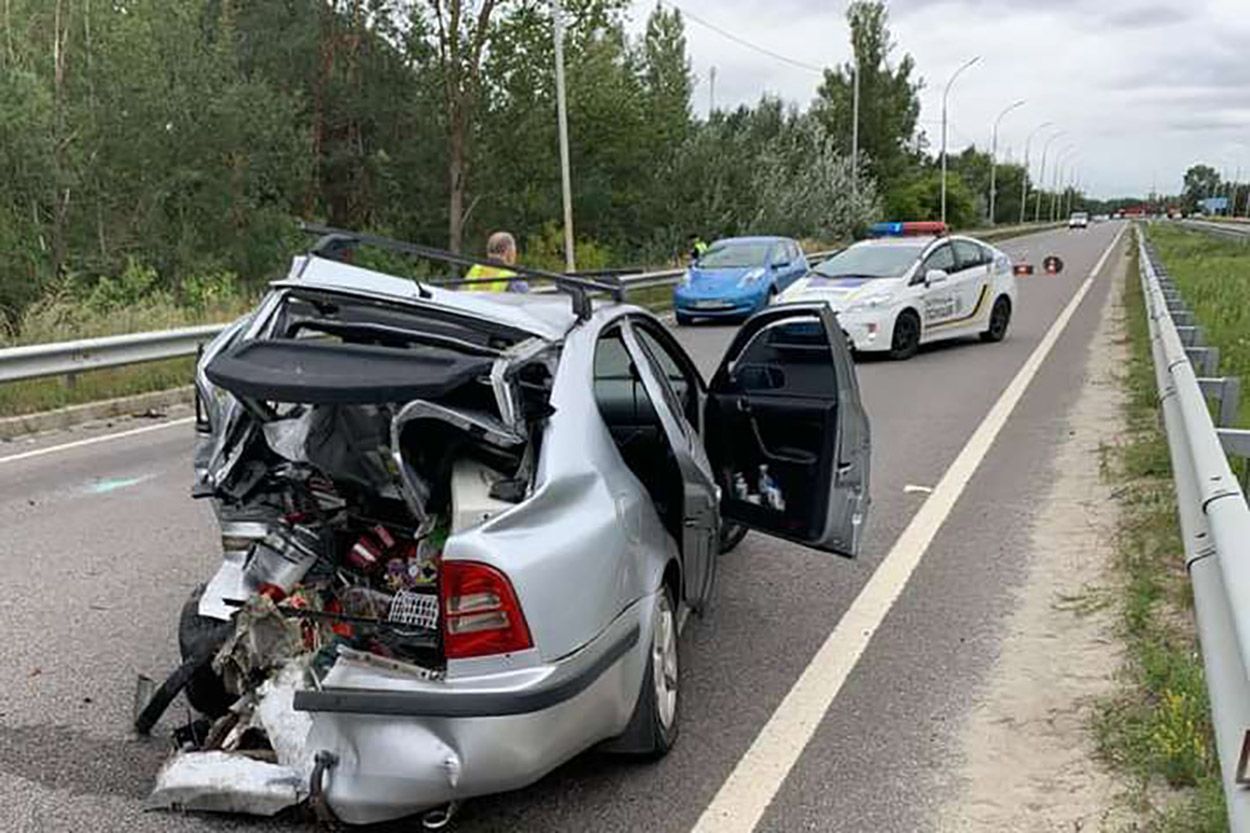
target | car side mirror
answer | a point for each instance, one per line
(934, 276)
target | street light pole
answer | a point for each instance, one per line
(1024, 176)
(570, 260)
(1058, 178)
(994, 155)
(855, 132)
(945, 94)
(1041, 177)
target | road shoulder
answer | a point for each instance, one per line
(1026, 758)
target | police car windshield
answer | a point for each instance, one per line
(871, 261)
(729, 255)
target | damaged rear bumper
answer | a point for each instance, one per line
(403, 745)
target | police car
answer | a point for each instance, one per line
(913, 284)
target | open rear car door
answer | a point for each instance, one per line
(786, 432)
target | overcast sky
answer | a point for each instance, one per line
(1142, 88)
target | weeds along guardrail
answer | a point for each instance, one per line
(69, 358)
(1214, 518)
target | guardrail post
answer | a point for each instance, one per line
(1204, 359)
(1190, 336)
(1236, 443)
(71, 381)
(1227, 391)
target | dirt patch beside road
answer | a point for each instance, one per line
(1028, 761)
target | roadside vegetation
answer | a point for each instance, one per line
(1213, 275)
(1156, 728)
(376, 116)
(132, 302)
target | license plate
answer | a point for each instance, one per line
(711, 305)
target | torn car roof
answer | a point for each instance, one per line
(547, 316)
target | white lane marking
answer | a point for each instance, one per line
(746, 793)
(912, 488)
(52, 449)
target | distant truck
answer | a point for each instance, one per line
(1079, 219)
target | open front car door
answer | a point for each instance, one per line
(786, 431)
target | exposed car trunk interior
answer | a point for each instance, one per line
(342, 444)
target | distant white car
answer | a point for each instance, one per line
(894, 293)
(1079, 219)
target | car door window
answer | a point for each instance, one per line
(943, 257)
(630, 416)
(968, 255)
(682, 378)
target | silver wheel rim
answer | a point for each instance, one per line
(664, 662)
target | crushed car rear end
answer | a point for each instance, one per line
(437, 577)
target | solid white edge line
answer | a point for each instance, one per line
(52, 449)
(745, 795)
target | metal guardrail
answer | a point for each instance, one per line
(1227, 229)
(71, 357)
(1214, 518)
(68, 357)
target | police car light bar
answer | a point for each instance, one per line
(923, 227)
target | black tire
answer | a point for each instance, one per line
(683, 320)
(731, 535)
(1000, 317)
(197, 636)
(906, 338)
(648, 734)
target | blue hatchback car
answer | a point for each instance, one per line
(737, 276)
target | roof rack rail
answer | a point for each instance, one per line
(333, 243)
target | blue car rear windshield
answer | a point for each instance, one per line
(730, 255)
(871, 261)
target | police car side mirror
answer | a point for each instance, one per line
(934, 276)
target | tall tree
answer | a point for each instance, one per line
(461, 39)
(889, 102)
(1201, 182)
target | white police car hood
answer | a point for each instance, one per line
(842, 292)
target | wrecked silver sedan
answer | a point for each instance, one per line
(461, 530)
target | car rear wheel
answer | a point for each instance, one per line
(652, 729)
(1000, 317)
(198, 635)
(906, 339)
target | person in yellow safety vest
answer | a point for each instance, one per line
(697, 247)
(501, 247)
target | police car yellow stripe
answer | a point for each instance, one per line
(976, 310)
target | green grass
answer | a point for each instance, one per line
(1156, 727)
(1213, 276)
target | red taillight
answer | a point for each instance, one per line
(481, 614)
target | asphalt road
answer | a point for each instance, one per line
(101, 544)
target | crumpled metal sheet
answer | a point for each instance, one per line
(286, 728)
(288, 437)
(221, 782)
(262, 639)
(232, 782)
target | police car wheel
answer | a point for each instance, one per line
(906, 339)
(1000, 317)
